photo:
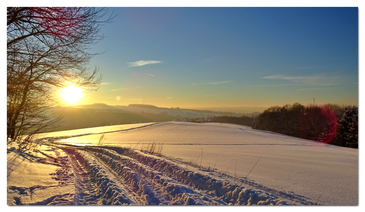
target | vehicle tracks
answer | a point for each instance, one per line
(115, 175)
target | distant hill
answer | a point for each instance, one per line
(95, 105)
(188, 112)
(143, 106)
(99, 114)
(245, 110)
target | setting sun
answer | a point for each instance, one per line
(71, 94)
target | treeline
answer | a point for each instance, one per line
(223, 113)
(242, 120)
(329, 123)
(143, 106)
(182, 109)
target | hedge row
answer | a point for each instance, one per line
(329, 123)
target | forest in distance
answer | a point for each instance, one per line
(330, 123)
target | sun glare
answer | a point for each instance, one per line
(71, 94)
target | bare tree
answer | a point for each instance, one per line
(47, 48)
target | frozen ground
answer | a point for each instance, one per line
(205, 163)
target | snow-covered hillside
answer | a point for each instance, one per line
(201, 163)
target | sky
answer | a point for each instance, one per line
(228, 57)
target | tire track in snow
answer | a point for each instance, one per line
(138, 179)
(90, 186)
(125, 176)
(83, 186)
(231, 194)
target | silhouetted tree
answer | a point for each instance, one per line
(348, 128)
(294, 114)
(310, 123)
(47, 48)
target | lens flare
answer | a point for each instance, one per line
(318, 123)
(59, 21)
(331, 128)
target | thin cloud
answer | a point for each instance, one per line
(151, 75)
(272, 85)
(143, 63)
(292, 78)
(321, 80)
(212, 83)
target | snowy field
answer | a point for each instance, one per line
(200, 163)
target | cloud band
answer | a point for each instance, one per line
(143, 63)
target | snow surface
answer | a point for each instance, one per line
(202, 163)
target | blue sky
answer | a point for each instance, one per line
(214, 57)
